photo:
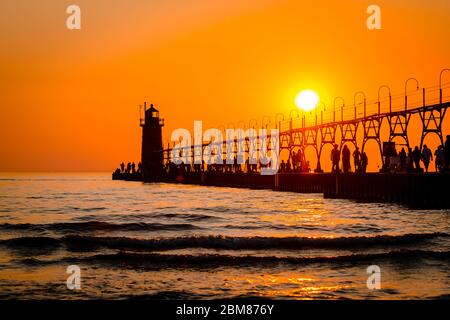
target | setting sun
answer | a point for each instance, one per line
(307, 100)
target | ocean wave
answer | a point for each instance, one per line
(98, 226)
(79, 243)
(154, 260)
(186, 216)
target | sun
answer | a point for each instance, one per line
(307, 100)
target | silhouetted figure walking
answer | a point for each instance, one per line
(447, 153)
(335, 158)
(439, 159)
(357, 159)
(402, 159)
(427, 156)
(364, 162)
(133, 168)
(410, 160)
(346, 159)
(122, 167)
(417, 156)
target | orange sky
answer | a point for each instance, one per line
(69, 99)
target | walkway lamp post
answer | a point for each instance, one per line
(334, 108)
(440, 85)
(290, 116)
(278, 122)
(390, 99)
(250, 123)
(354, 101)
(263, 121)
(244, 125)
(406, 87)
(321, 112)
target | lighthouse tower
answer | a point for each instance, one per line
(152, 149)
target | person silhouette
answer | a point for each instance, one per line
(294, 161)
(335, 158)
(427, 156)
(346, 159)
(410, 160)
(357, 159)
(364, 162)
(282, 166)
(417, 156)
(447, 153)
(402, 159)
(439, 159)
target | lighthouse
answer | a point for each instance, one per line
(152, 149)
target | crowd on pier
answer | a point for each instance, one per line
(170, 168)
(129, 170)
(360, 160)
(403, 161)
(410, 160)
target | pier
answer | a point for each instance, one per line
(401, 178)
(416, 190)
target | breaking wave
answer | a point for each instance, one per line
(154, 260)
(98, 226)
(80, 243)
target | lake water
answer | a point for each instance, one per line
(167, 241)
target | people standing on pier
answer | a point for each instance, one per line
(346, 159)
(427, 156)
(301, 166)
(417, 156)
(295, 162)
(410, 160)
(402, 159)
(439, 159)
(357, 159)
(282, 166)
(122, 167)
(335, 158)
(364, 162)
(288, 166)
(447, 153)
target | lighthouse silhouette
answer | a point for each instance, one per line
(152, 150)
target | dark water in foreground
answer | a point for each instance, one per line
(134, 240)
